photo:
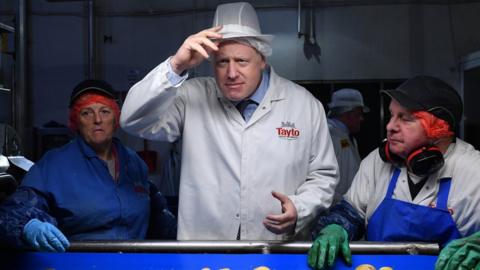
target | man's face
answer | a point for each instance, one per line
(354, 119)
(238, 70)
(404, 131)
(96, 124)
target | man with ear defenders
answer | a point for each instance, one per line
(421, 185)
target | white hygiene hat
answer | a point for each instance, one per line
(239, 20)
(345, 100)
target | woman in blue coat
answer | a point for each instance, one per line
(93, 188)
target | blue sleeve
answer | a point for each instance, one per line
(344, 215)
(23, 205)
(163, 224)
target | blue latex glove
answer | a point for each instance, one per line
(44, 236)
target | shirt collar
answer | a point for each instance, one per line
(260, 92)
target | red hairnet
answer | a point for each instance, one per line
(434, 127)
(87, 99)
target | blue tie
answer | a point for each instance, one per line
(242, 105)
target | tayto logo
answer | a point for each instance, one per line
(288, 131)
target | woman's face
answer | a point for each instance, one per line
(96, 124)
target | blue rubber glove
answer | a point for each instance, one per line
(44, 236)
(332, 240)
(463, 253)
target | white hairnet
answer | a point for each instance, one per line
(261, 46)
(345, 100)
(240, 23)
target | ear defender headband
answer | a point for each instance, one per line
(422, 161)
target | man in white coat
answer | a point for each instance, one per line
(257, 159)
(344, 119)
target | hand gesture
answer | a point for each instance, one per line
(195, 49)
(285, 222)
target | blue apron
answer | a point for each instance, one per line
(396, 220)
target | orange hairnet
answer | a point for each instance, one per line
(87, 99)
(434, 127)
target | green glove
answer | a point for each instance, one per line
(330, 241)
(463, 253)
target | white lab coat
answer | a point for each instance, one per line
(348, 158)
(462, 163)
(230, 167)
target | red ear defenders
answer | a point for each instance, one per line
(422, 161)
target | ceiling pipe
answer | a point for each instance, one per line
(299, 19)
(91, 41)
(311, 27)
(19, 105)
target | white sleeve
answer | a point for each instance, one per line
(370, 184)
(316, 193)
(464, 196)
(153, 108)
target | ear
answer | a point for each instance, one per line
(263, 63)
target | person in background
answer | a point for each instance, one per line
(92, 188)
(257, 159)
(420, 185)
(344, 119)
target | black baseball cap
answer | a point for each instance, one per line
(426, 93)
(98, 86)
